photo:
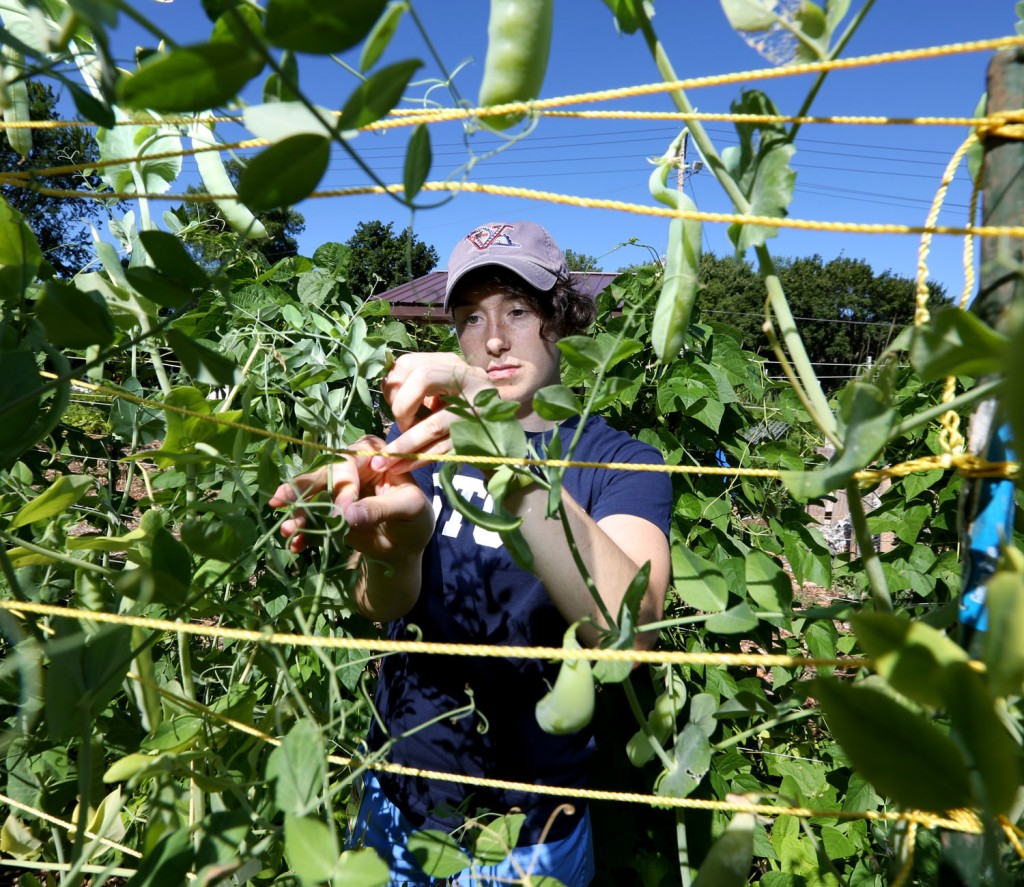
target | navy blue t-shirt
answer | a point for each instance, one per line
(473, 593)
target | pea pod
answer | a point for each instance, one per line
(661, 721)
(216, 181)
(16, 101)
(518, 45)
(682, 263)
(568, 706)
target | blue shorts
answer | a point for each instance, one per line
(381, 825)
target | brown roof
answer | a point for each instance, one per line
(423, 298)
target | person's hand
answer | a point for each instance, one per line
(387, 513)
(414, 390)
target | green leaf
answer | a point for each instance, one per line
(1004, 641)
(869, 419)
(629, 14)
(994, 753)
(727, 863)
(691, 759)
(911, 656)
(90, 107)
(190, 78)
(139, 144)
(381, 34)
(64, 492)
(285, 173)
(361, 868)
(172, 259)
(497, 838)
(202, 363)
(212, 539)
(298, 769)
(167, 863)
(556, 402)
(374, 98)
(311, 848)
(438, 853)
(624, 636)
(20, 255)
(699, 582)
(276, 121)
(903, 755)
(418, 159)
(767, 583)
(735, 620)
(73, 318)
(956, 343)
(749, 15)
(84, 674)
(321, 28)
(165, 291)
(760, 166)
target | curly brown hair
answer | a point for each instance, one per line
(564, 310)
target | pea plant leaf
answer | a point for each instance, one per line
(375, 97)
(65, 491)
(73, 318)
(698, 581)
(381, 34)
(623, 637)
(321, 28)
(1004, 641)
(727, 863)
(285, 173)
(902, 753)
(956, 343)
(311, 848)
(297, 767)
(135, 146)
(760, 166)
(20, 254)
(868, 418)
(190, 78)
(785, 31)
(418, 159)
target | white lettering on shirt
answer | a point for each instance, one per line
(469, 488)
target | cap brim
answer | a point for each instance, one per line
(537, 277)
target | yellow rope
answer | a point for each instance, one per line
(68, 826)
(569, 200)
(383, 645)
(960, 820)
(967, 464)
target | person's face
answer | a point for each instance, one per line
(500, 334)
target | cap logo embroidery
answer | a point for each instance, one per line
(485, 237)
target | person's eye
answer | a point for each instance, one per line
(519, 312)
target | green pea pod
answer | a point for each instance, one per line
(568, 706)
(682, 263)
(216, 181)
(497, 522)
(661, 722)
(16, 102)
(518, 45)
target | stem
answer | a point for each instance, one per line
(577, 559)
(58, 556)
(877, 585)
(794, 344)
(979, 392)
(685, 872)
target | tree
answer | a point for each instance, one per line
(214, 237)
(845, 312)
(580, 261)
(381, 260)
(57, 222)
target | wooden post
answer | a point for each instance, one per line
(1003, 179)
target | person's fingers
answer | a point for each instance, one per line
(431, 436)
(302, 486)
(401, 502)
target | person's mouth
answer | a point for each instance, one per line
(502, 371)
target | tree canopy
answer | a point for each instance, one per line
(846, 312)
(381, 260)
(56, 221)
(580, 261)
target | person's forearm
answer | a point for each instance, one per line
(387, 591)
(611, 569)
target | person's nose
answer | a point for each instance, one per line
(497, 338)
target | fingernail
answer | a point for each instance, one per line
(378, 463)
(356, 515)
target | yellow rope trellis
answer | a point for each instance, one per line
(966, 464)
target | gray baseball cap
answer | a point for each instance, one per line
(525, 248)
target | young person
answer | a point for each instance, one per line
(511, 298)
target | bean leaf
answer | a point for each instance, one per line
(285, 173)
(317, 27)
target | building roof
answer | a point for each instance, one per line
(422, 299)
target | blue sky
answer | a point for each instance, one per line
(844, 173)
